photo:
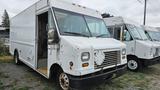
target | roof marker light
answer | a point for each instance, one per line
(79, 5)
(73, 4)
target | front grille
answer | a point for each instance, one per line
(111, 58)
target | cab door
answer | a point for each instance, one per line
(128, 40)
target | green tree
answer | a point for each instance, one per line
(5, 20)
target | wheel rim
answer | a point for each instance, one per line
(64, 81)
(132, 64)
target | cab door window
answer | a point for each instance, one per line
(126, 36)
(111, 31)
(117, 33)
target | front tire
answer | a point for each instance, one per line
(63, 81)
(134, 64)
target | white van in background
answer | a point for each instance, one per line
(68, 42)
(140, 50)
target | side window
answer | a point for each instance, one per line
(117, 33)
(52, 32)
(126, 36)
(111, 31)
(51, 24)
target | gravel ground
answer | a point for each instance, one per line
(13, 77)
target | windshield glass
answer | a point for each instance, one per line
(80, 25)
(155, 36)
(97, 27)
(137, 32)
(71, 24)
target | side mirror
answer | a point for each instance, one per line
(52, 36)
(124, 35)
(125, 31)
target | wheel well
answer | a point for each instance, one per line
(15, 51)
(131, 56)
(54, 70)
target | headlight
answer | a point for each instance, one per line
(85, 56)
(124, 51)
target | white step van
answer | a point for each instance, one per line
(66, 41)
(141, 52)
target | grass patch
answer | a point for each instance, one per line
(2, 75)
(129, 81)
(21, 88)
(1, 85)
(24, 88)
(4, 51)
(138, 80)
(6, 59)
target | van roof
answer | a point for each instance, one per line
(149, 28)
(61, 4)
(112, 21)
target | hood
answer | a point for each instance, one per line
(157, 42)
(154, 43)
(95, 43)
(146, 43)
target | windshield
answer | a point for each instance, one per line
(155, 36)
(73, 24)
(97, 27)
(137, 32)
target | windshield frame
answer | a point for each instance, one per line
(83, 15)
(136, 28)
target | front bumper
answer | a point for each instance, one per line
(150, 62)
(96, 78)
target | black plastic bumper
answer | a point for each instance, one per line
(97, 78)
(150, 62)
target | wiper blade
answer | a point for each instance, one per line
(74, 33)
(102, 35)
(155, 40)
(138, 38)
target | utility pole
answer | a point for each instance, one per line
(145, 11)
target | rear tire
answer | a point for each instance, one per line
(134, 64)
(16, 58)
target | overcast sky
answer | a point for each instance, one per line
(131, 9)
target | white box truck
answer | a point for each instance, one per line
(141, 51)
(68, 42)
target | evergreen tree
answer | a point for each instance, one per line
(5, 20)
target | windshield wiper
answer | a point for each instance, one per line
(155, 40)
(137, 38)
(102, 35)
(146, 39)
(74, 33)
